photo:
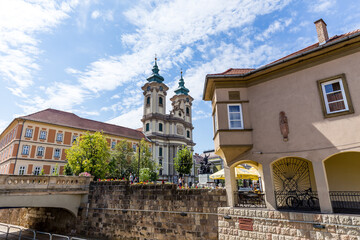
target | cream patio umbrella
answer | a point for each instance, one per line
(240, 173)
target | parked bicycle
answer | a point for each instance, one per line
(302, 199)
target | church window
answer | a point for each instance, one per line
(160, 151)
(160, 127)
(188, 134)
(148, 101)
(187, 111)
(160, 101)
(147, 127)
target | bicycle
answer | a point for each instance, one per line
(302, 199)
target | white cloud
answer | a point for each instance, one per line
(20, 21)
(127, 119)
(95, 14)
(322, 6)
(276, 26)
(116, 96)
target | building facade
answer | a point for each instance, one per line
(296, 120)
(38, 141)
(168, 132)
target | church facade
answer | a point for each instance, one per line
(168, 132)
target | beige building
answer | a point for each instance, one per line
(297, 121)
(38, 141)
(168, 132)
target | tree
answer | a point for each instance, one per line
(120, 164)
(183, 161)
(146, 160)
(90, 154)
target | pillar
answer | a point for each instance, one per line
(268, 186)
(322, 187)
(230, 185)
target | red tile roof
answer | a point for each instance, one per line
(53, 116)
(240, 71)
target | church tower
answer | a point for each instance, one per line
(167, 132)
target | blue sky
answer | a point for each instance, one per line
(91, 57)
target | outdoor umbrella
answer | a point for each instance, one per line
(240, 173)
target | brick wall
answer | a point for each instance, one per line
(275, 225)
(153, 212)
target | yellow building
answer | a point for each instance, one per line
(38, 141)
(297, 120)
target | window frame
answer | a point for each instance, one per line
(43, 151)
(344, 90)
(26, 133)
(161, 101)
(160, 151)
(35, 170)
(23, 148)
(188, 133)
(22, 168)
(55, 156)
(241, 117)
(147, 127)
(61, 138)
(148, 101)
(161, 127)
(40, 135)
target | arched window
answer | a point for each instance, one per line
(187, 111)
(160, 101)
(147, 128)
(160, 127)
(148, 101)
(188, 134)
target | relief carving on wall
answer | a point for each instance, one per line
(179, 130)
(284, 126)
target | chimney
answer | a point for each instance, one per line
(321, 31)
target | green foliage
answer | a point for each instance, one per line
(145, 175)
(68, 170)
(42, 172)
(183, 161)
(120, 165)
(90, 154)
(56, 173)
(146, 160)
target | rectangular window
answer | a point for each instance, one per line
(74, 138)
(160, 127)
(335, 96)
(134, 147)
(42, 135)
(53, 170)
(37, 170)
(40, 151)
(188, 134)
(57, 153)
(25, 150)
(235, 116)
(147, 127)
(113, 144)
(160, 162)
(59, 137)
(21, 170)
(160, 151)
(28, 133)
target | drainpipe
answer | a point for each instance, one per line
(22, 127)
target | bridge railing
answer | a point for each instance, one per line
(14, 183)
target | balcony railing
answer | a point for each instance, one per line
(345, 201)
(297, 200)
(250, 199)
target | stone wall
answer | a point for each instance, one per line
(117, 210)
(275, 225)
(54, 220)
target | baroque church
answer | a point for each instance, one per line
(168, 132)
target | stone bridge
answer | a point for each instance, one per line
(65, 192)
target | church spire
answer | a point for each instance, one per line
(181, 89)
(155, 77)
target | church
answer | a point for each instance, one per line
(167, 132)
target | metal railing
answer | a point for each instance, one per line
(297, 200)
(250, 199)
(13, 232)
(345, 201)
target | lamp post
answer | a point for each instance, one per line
(138, 163)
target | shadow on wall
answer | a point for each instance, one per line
(54, 220)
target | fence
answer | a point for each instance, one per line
(345, 201)
(297, 200)
(250, 200)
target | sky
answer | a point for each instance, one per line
(91, 57)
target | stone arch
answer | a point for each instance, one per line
(342, 171)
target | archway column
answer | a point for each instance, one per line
(268, 186)
(230, 185)
(323, 188)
